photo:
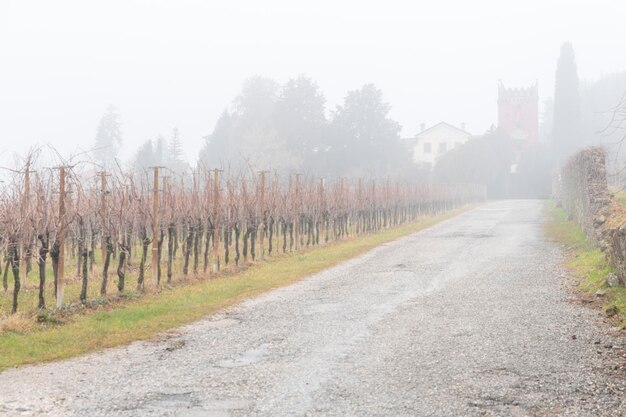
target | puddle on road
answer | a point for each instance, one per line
(172, 400)
(247, 358)
(186, 406)
(214, 408)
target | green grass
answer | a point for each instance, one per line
(620, 196)
(587, 262)
(143, 317)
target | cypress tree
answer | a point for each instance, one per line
(566, 136)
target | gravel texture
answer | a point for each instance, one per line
(468, 317)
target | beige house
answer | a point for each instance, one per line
(432, 143)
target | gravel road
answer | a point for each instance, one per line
(466, 318)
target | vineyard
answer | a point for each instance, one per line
(72, 235)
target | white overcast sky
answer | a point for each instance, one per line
(181, 62)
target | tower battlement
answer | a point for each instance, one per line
(528, 93)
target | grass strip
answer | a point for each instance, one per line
(587, 263)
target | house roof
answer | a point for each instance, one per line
(443, 124)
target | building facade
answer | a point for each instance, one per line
(436, 141)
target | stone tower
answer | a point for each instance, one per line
(518, 113)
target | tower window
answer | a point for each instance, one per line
(443, 147)
(426, 147)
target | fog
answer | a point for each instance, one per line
(395, 208)
(179, 64)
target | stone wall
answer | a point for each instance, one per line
(584, 194)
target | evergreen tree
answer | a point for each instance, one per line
(567, 121)
(149, 154)
(175, 158)
(247, 136)
(254, 106)
(144, 159)
(216, 145)
(159, 149)
(301, 120)
(365, 141)
(108, 139)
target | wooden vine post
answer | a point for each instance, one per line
(216, 202)
(374, 220)
(61, 238)
(103, 190)
(25, 211)
(155, 227)
(322, 205)
(359, 212)
(296, 213)
(262, 208)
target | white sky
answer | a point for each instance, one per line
(181, 62)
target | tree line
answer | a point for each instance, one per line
(285, 128)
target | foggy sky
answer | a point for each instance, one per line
(181, 62)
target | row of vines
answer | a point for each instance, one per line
(97, 233)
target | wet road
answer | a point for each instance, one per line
(465, 318)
